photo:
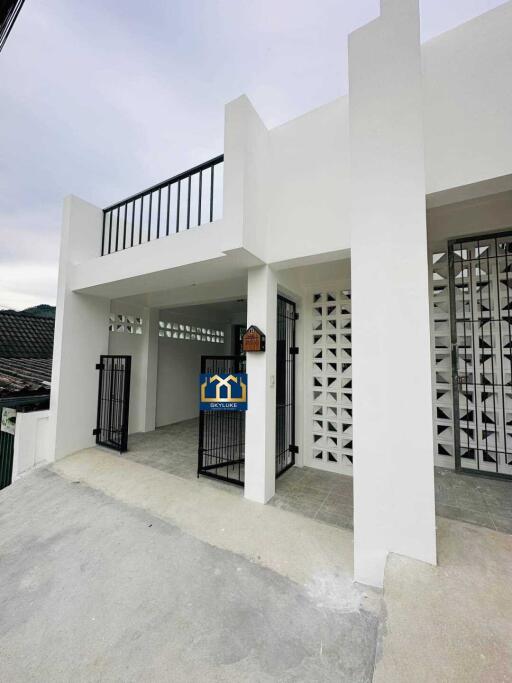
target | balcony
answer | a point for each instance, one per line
(188, 200)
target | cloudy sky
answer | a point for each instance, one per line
(105, 97)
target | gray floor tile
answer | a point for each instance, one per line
(326, 496)
(465, 515)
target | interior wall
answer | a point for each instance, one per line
(179, 360)
(131, 344)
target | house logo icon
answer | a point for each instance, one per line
(223, 391)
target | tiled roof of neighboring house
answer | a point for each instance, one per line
(25, 336)
(25, 376)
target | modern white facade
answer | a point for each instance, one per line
(346, 211)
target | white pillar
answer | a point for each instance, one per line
(150, 367)
(260, 425)
(394, 509)
(81, 335)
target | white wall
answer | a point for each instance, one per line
(179, 363)
(394, 507)
(309, 189)
(491, 213)
(468, 101)
(31, 441)
(143, 348)
(81, 335)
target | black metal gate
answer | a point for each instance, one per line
(113, 402)
(221, 450)
(481, 318)
(6, 457)
(285, 385)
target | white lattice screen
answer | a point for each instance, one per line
(331, 380)
(442, 378)
(331, 374)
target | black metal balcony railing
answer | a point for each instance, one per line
(187, 200)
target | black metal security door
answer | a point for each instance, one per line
(285, 385)
(481, 318)
(221, 451)
(113, 402)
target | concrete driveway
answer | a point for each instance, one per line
(114, 571)
(94, 589)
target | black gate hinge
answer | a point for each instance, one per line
(100, 366)
(293, 449)
(296, 315)
(95, 432)
(294, 350)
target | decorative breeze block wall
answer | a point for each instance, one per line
(189, 332)
(441, 355)
(119, 322)
(331, 390)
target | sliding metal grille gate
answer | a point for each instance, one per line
(481, 316)
(285, 386)
(221, 450)
(113, 402)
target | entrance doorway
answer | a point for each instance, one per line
(480, 277)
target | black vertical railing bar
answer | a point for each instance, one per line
(103, 235)
(110, 234)
(158, 213)
(124, 229)
(140, 223)
(133, 222)
(178, 203)
(117, 228)
(117, 243)
(168, 210)
(188, 201)
(200, 198)
(212, 184)
(149, 217)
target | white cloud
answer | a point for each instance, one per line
(27, 283)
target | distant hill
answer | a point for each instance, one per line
(41, 311)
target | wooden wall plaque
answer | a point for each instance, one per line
(253, 340)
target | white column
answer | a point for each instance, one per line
(150, 367)
(394, 509)
(81, 335)
(260, 425)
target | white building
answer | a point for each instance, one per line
(347, 213)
